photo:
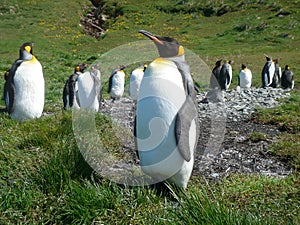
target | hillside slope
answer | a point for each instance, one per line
(43, 176)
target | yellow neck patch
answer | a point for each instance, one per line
(33, 59)
(160, 59)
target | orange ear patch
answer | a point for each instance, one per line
(180, 51)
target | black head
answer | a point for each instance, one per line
(244, 66)
(287, 67)
(268, 58)
(219, 62)
(167, 46)
(81, 67)
(27, 47)
(121, 67)
(26, 52)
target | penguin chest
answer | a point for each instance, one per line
(271, 72)
(87, 93)
(161, 96)
(29, 90)
(118, 82)
(245, 78)
(135, 82)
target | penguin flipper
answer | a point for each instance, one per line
(9, 95)
(65, 94)
(71, 86)
(9, 87)
(184, 118)
(97, 85)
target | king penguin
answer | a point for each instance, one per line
(215, 75)
(277, 74)
(268, 72)
(24, 89)
(225, 75)
(167, 117)
(245, 77)
(89, 90)
(287, 79)
(136, 77)
(70, 91)
(117, 82)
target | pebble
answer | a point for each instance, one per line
(237, 105)
(224, 146)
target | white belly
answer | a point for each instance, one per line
(271, 72)
(135, 82)
(160, 98)
(118, 83)
(30, 91)
(245, 78)
(87, 94)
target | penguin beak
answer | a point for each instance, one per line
(151, 36)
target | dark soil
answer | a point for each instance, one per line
(240, 147)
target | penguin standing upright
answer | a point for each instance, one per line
(167, 117)
(117, 82)
(70, 91)
(225, 75)
(277, 75)
(89, 90)
(215, 75)
(267, 72)
(136, 77)
(287, 78)
(24, 89)
(245, 77)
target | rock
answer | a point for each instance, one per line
(224, 146)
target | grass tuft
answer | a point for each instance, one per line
(43, 176)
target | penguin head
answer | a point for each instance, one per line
(26, 51)
(145, 67)
(121, 67)
(244, 66)
(167, 46)
(287, 67)
(118, 68)
(81, 67)
(268, 58)
(219, 62)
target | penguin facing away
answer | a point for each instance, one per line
(24, 89)
(245, 77)
(225, 75)
(89, 90)
(167, 117)
(136, 77)
(70, 91)
(287, 78)
(117, 82)
(267, 72)
(215, 75)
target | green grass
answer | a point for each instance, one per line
(43, 176)
(257, 136)
(287, 118)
